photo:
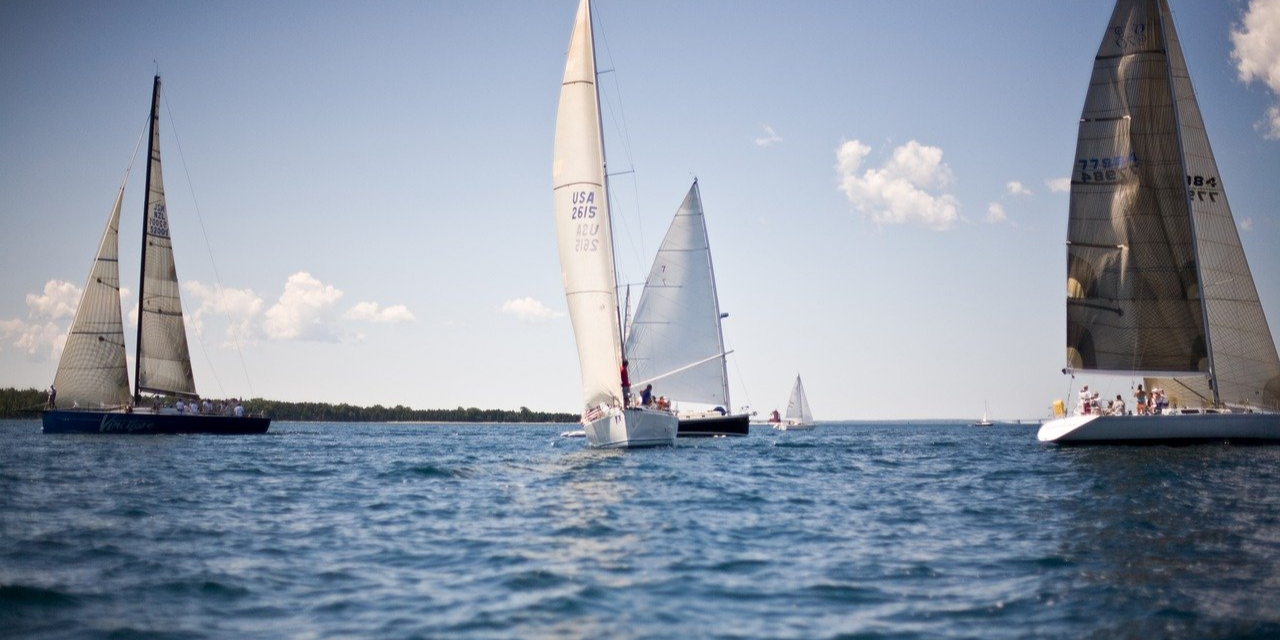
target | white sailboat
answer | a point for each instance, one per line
(675, 339)
(798, 416)
(92, 380)
(1158, 286)
(985, 421)
(585, 240)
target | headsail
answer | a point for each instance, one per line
(582, 222)
(1157, 281)
(164, 362)
(677, 322)
(92, 372)
(798, 405)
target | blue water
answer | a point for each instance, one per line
(481, 531)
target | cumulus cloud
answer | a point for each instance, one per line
(305, 311)
(59, 300)
(769, 138)
(1017, 188)
(908, 189)
(370, 311)
(995, 213)
(240, 308)
(1059, 185)
(529, 310)
(39, 340)
(1246, 224)
(1256, 52)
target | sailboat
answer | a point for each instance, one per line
(985, 421)
(798, 416)
(676, 339)
(585, 240)
(91, 386)
(1158, 286)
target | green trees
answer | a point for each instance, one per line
(26, 403)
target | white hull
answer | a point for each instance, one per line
(632, 428)
(794, 426)
(1162, 428)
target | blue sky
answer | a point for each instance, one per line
(374, 183)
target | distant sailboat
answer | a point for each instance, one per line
(798, 417)
(984, 422)
(676, 339)
(585, 241)
(1158, 285)
(92, 381)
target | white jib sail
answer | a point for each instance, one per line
(164, 362)
(92, 372)
(798, 405)
(677, 321)
(582, 222)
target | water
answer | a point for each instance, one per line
(481, 531)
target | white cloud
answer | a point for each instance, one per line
(908, 189)
(529, 310)
(995, 213)
(1256, 51)
(1017, 188)
(36, 339)
(1059, 185)
(769, 138)
(371, 312)
(305, 311)
(58, 301)
(240, 308)
(1246, 224)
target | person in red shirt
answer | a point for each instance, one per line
(626, 385)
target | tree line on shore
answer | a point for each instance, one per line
(27, 403)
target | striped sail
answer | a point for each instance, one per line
(1157, 281)
(164, 362)
(582, 222)
(677, 322)
(92, 372)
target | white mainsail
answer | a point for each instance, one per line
(798, 405)
(164, 361)
(677, 322)
(92, 372)
(582, 223)
(1158, 284)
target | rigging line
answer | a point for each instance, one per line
(619, 122)
(216, 275)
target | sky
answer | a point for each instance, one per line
(361, 208)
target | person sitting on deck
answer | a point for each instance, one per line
(646, 396)
(1118, 406)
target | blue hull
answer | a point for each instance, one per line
(149, 423)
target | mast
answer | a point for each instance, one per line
(715, 299)
(1165, 29)
(608, 195)
(142, 271)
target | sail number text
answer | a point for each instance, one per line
(1200, 188)
(1108, 169)
(587, 235)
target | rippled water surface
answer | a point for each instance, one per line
(480, 531)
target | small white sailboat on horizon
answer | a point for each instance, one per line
(676, 339)
(985, 421)
(1158, 287)
(585, 239)
(798, 416)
